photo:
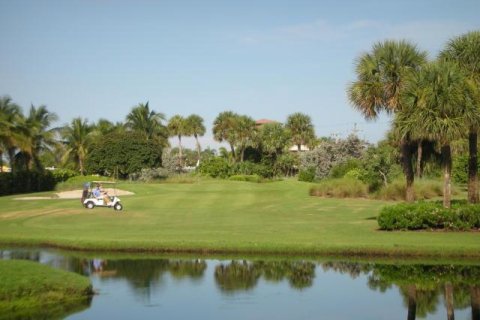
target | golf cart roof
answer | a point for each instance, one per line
(104, 182)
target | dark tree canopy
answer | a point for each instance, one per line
(122, 153)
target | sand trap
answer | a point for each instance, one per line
(77, 194)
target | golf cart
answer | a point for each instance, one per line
(92, 198)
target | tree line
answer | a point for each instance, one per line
(30, 142)
(432, 102)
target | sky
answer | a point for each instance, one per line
(266, 59)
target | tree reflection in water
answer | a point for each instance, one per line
(423, 288)
(238, 276)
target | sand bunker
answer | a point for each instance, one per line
(77, 194)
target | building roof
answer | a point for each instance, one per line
(264, 121)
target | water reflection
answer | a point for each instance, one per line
(426, 290)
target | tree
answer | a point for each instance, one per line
(123, 153)
(77, 137)
(148, 123)
(436, 103)
(104, 127)
(177, 126)
(34, 135)
(300, 129)
(465, 50)
(224, 129)
(196, 128)
(245, 132)
(273, 139)
(9, 115)
(381, 76)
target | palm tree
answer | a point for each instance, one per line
(34, 136)
(301, 129)
(177, 126)
(148, 123)
(196, 128)
(77, 137)
(274, 138)
(104, 127)
(436, 102)
(245, 132)
(465, 50)
(224, 127)
(381, 76)
(9, 115)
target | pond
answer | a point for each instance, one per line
(152, 287)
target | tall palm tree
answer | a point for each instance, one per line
(224, 129)
(104, 126)
(245, 132)
(436, 103)
(34, 134)
(77, 137)
(381, 76)
(301, 129)
(196, 128)
(465, 50)
(274, 138)
(177, 127)
(9, 116)
(148, 123)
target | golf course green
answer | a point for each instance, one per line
(218, 216)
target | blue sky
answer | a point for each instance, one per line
(266, 59)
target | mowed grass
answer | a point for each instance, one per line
(30, 290)
(223, 216)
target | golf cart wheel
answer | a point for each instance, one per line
(90, 205)
(118, 207)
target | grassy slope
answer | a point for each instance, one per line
(30, 289)
(223, 216)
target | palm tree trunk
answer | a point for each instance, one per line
(233, 151)
(412, 302)
(180, 153)
(475, 302)
(1, 161)
(80, 164)
(299, 147)
(472, 166)
(242, 155)
(419, 159)
(449, 301)
(447, 173)
(408, 170)
(11, 158)
(198, 147)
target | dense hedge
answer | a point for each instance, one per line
(340, 188)
(217, 167)
(26, 181)
(429, 215)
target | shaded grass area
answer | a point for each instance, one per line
(217, 216)
(31, 290)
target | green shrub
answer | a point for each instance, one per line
(25, 182)
(307, 175)
(423, 188)
(61, 175)
(248, 178)
(215, 167)
(429, 215)
(340, 170)
(251, 168)
(340, 188)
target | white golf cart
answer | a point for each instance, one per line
(91, 201)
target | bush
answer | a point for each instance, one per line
(307, 175)
(429, 215)
(61, 175)
(341, 169)
(251, 168)
(424, 189)
(248, 178)
(26, 181)
(147, 174)
(214, 167)
(340, 188)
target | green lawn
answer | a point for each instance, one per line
(223, 216)
(31, 290)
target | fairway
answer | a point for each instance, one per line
(223, 216)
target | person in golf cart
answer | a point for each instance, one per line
(100, 193)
